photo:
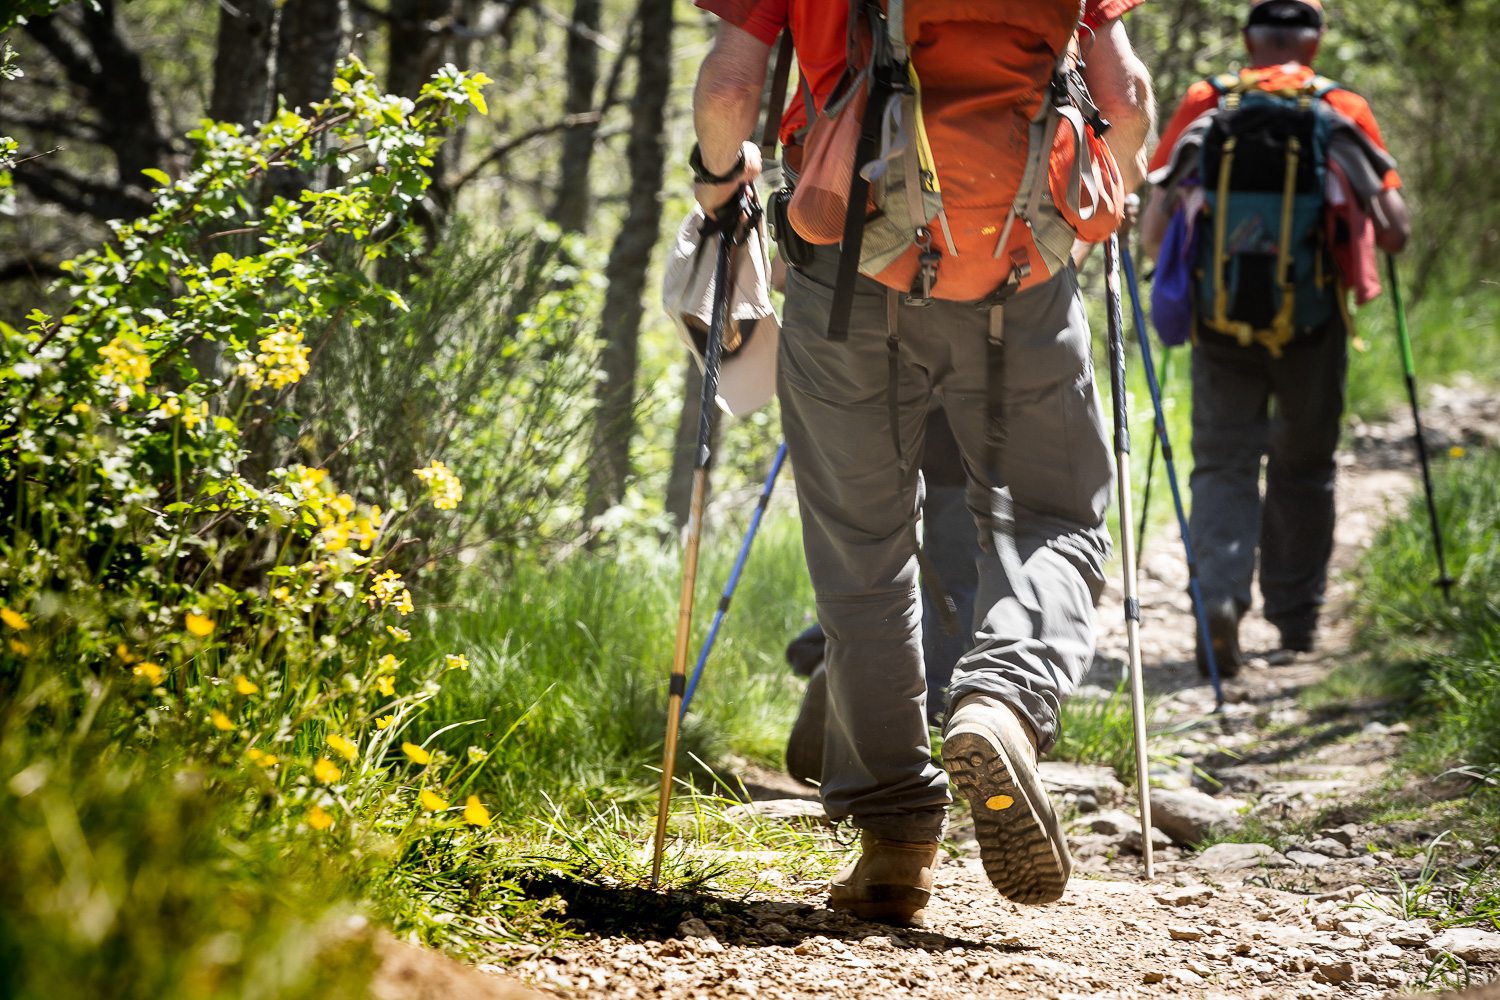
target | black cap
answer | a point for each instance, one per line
(1285, 14)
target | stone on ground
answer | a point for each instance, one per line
(803, 811)
(1233, 857)
(1189, 816)
(1468, 943)
(1061, 778)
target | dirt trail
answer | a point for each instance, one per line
(1234, 921)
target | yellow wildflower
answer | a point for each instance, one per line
(388, 663)
(124, 654)
(343, 746)
(282, 594)
(269, 760)
(220, 720)
(318, 818)
(243, 686)
(431, 802)
(384, 720)
(447, 491)
(1457, 451)
(170, 407)
(125, 362)
(416, 753)
(385, 686)
(198, 625)
(255, 753)
(195, 415)
(81, 407)
(326, 771)
(153, 673)
(365, 528)
(456, 661)
(404, 605)
(400, 634)
(385, 587)
(282, 360)
(19, 648)
(12, 619)
(475, 812)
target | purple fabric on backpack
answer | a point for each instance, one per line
(1172, 290)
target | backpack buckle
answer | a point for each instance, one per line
(928, 260)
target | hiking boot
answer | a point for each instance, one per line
(991, 760)
(1299, 640)
(889, 883)
(804, 747)
(1224, 633)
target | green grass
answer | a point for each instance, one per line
(567, 685)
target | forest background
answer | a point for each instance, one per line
(414, 268)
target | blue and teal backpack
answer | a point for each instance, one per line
(1264, 271)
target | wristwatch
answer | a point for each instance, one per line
(701, 174)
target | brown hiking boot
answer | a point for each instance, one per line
(889, 883)
(991, 760)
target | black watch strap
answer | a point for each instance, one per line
(701, 174)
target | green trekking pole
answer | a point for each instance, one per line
(1444, 580)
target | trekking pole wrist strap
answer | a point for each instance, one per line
(701, 174)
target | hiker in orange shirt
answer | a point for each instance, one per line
(854, 408)
(1249, 178)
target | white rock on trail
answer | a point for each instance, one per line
(1233, 857)
(1307, 859)
(1188, 816)
(1468, 943)
(787, 810)
(1409, 933)
(1062, 778)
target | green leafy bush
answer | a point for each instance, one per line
(207, 705)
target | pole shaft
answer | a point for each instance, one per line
(1410, 368)
(1200, 611)
(734, 576)
(1127, 543)
(712, 355)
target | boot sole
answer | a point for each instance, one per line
(1023, 861)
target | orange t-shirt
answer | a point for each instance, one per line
(1202, 97)
(820, 33)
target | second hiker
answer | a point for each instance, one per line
(1278, 187)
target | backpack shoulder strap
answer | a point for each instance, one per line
(1225, 82)
(1321, 86)
(776, 106)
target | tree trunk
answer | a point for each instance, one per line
(242, 64)
(629, 259)
(418, 46)
(570, 210)
(685, 448)
(309, 42)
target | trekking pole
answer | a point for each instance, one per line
(734, 576)
(712, 353)
(1195, 589)
(1127, 544)
(1444, 580)
(1166, 369)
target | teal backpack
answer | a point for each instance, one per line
(1264, 271)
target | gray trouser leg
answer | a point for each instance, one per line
(1247, 405)
(858, 511)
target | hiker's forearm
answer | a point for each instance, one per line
(1121, 86)
(726, 100)
(1392, 221)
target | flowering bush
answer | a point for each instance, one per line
(160, 597)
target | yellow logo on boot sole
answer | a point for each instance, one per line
(998, 802)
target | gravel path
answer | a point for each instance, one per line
(1312, 919)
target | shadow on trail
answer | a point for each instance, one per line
(642, 914)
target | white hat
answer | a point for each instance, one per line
(747, 374)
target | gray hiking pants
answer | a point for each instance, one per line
(1235, 425)
(859, 510)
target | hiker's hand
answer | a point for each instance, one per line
(716, 196)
